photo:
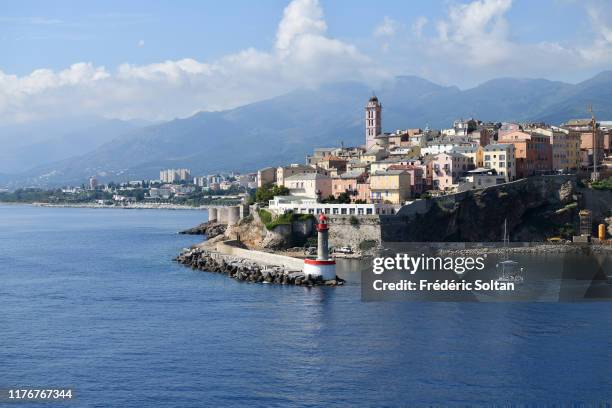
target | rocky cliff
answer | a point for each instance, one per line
(535, 209)
(256, 233)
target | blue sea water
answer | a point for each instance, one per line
(90, 299)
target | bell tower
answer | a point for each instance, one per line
(373, 111)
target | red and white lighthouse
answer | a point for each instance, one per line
(322, 266)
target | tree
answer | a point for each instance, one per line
(267, 193)
(344, 198)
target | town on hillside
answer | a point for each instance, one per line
(390, 170)
(394, 168)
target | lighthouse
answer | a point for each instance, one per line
(322, 266)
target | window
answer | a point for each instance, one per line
(368, 211)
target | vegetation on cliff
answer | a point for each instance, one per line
(267, 193)
(284, 219)
(605, 184)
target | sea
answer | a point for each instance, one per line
(91, 300)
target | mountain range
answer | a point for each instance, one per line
(284, 129)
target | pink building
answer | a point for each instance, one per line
(309, 185)
(447, 168)
(507, 128)
(355, 183)
(417, 176)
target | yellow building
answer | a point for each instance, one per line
(373, 155)
(391, 186)
(565, 147)
(474, 154)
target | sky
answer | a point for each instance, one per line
(158, 60)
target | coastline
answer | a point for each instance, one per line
(538, 248)
(149, 206)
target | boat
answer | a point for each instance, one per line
(510, 271)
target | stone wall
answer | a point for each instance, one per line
(231, 248)
(342, 232)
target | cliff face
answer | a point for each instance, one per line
(534, 208)
(255, 235)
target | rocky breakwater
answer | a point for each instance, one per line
(246, 270)
(210, 228)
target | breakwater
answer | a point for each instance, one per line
(246, 270)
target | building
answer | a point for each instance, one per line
(507, 128)
(309, 185)
(286, 171)
(93, 183)
(174, 175)
(265, 176)
(214, 179)
(565, 147)
(445, 145)
(447, 168)
(464, 127)
(355, 183)
(200, 181)
(163, 192)
(301, 205)
(417, 176)
(319, 154)
(373, 121)
(532, 153)
(500, 158)
(333, 164)
(474, 153)
(374, 154)
(480, 178)
(225, 185)
(390, 187)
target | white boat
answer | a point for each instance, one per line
(510, 271)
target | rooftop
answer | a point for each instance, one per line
(498, 146)
(306, 176)
(389, 172)
(351, 174)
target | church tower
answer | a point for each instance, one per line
(373, 121)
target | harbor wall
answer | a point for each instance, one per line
(231, 248)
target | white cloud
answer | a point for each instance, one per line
(387, 28)
(303, 55)
(419, 25)
(301, 17)
(478, 31)
(473, 42)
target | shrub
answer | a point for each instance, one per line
(354, 221)
(605, 184)
(367, 244)
(282, 219)
(567, 231)
(267, 193)
(305, 217)
(265, 216)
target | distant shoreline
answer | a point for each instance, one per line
(120, 207)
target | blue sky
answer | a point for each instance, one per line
(127, 58)
(37, 34)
